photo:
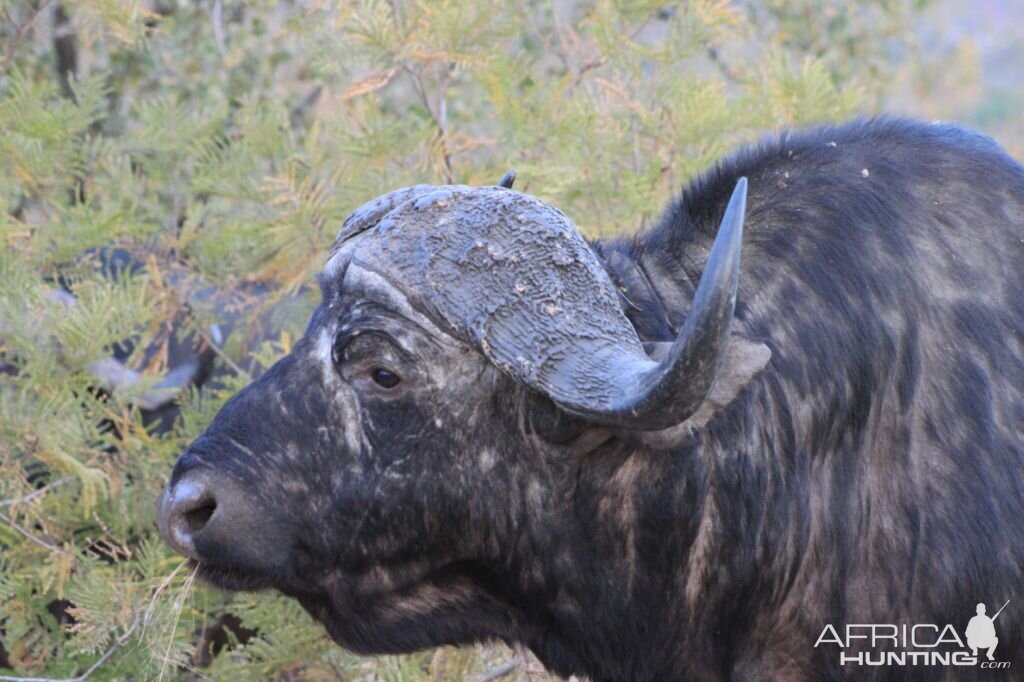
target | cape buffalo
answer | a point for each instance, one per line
(649, 458)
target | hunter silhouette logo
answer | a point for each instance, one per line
(981, 631)
(928, 644)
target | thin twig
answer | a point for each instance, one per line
(36, 493)
(217, 18)
(31, 536)
(442, 123)
(88, 671)
(588, 67)
(438, 117)
(221, 354)
(561, 51)
(497, 672)
(600, 61)
(395, 15)
(12, 43)
(716, 58)
(108, 653)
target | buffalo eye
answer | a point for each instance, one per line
(367, 357)
(384, 377)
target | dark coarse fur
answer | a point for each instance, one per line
(873, 472)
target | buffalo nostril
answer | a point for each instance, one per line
(185, 510)
(196, 518)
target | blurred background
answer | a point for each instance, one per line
(172, 174)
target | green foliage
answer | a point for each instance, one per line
(223, 143)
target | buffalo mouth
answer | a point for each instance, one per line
(292, 570)
(232, 578)
(218, 565)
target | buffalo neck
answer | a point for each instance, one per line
(674, 551)
(656, 275)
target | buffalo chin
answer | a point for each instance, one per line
(447, 606)
(363, 630)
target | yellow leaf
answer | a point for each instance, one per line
(369, 83)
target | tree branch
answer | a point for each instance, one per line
(217, 19)
(219, 352)
(727, 71)
(36, 493)
(439, 117)
(33, 537)
(11, 44)
(88, 671)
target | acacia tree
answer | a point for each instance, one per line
(222, 143)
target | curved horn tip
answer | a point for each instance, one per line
(735, 210)
(507, 179)
(721, 272)
(725, 251)
(674, 388)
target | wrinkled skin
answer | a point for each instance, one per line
(871, 472)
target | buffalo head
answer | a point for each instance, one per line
(422, 438)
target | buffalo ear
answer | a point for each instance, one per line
(742, 360)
